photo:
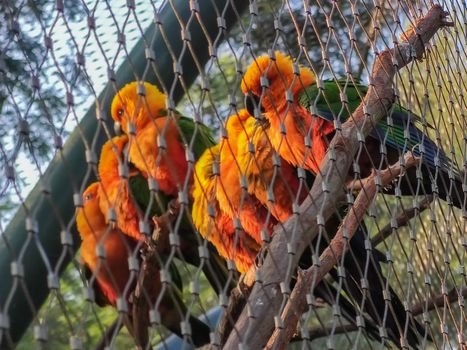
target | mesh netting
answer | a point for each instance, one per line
(234, 173)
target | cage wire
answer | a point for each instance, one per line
(168, 141)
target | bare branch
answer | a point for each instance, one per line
(256, 323)
(439, 300)
(147, 284)
(402, 219)
(308, 279)
(316, 332)
(162, 225)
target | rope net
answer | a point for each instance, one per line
(190, 173)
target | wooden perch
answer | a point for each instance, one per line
(256, 323)
(308, 279)
(402, 219)
(440, 300)
(162, 227)
(237, 301)
(146, 288)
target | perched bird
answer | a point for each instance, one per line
(160, 149)
(111, 277)
(159, 142)
(212, 222)
(111, 271)
(274, 185)
(232, 198)
(302, 115)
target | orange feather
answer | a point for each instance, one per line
(233, 200)
(155, 146)
(111, 272)
(114, 192)
(212, 222)
(289, 116)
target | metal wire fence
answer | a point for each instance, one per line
(209, 170)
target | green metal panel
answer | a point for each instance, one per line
(71, 163)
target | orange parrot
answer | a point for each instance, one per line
(292, 148)
(159, 141)
(213, 223)
(111, 272)
(238, 204)
(157, 147)
(113, 279)
(254, 155)
(302, 117)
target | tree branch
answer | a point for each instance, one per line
(402, 219)
(256, 323)
(308, 279)
(148, 285)
(439, 300)
(316, 332)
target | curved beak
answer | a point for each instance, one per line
(252, 103)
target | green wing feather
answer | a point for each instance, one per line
(405, 132)
(140, 191)
(190, 129)
(196, 134)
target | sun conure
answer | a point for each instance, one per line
(233, 199)
(302, 117)
(105, 253)
(212, 222)
(274, 184)
(159, 144)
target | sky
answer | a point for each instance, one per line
(70, 37)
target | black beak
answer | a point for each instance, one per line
(252, 103)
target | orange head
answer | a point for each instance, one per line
(129, 106)
(281, 78)
(89, 219)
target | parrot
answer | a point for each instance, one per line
(302, 118)
(157, 148)
(105, 253)
(218, 226)
(275, 186)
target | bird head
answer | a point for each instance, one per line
(89, 218)
(280, 76)
(137, 103)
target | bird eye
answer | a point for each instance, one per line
(88, 197)
(120, 112)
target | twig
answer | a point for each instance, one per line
(316, 332)
(148, 285)
(402, 220)
(308, 279)
(438, 301)
(256, 323)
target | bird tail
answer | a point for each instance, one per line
(329, 294)
(214, 268)
(173, 310)
(216, 272)
(378, 300)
